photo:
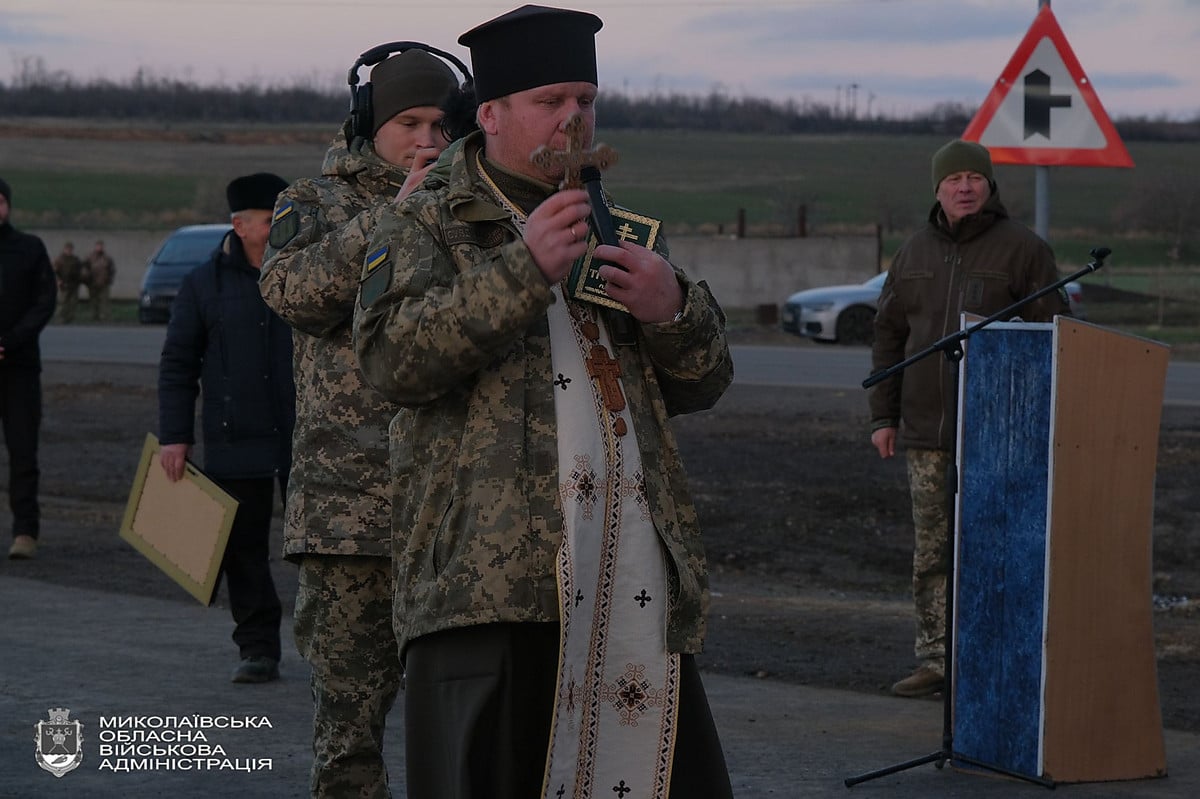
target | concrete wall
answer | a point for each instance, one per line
(742, 273)
(747, 273)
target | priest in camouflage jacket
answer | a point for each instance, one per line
(337, 519)
(517, 473)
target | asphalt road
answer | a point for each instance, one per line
(805, 365)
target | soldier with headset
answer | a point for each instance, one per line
(338, 509)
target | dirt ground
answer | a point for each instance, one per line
(807, 529)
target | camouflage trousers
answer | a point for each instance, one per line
(927, 488)
(68, 301)
(343, 628)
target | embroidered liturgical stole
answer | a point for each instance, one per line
(617, 700)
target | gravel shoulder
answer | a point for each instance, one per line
(807, 530)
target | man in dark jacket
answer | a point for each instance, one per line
(970, 257)
(224, 342)
(27, 289)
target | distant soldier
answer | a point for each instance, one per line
(338, 517)
(100, 271)
(68, 269)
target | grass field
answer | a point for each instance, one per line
(696, 181)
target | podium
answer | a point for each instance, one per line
(1055, 674)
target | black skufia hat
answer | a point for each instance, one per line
(532, 46)
(256, 191)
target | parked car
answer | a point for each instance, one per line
(843, 314)
(181, 252)
(846, 314)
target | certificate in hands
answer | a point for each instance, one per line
(181, 527)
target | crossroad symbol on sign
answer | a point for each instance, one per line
(1043, 109)
(1038, 102)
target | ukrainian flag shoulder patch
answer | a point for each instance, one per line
(288, 207)
(376, 258)
(375, 278)
(285, 224)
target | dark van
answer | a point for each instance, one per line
(181, 252)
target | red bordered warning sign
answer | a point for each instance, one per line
(1043, 109)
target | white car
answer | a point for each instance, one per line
(846, 314)
(843, 314)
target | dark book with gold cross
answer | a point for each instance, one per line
(584, 282)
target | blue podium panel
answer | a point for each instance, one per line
(1006, 414)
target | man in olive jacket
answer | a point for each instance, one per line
(968, 258)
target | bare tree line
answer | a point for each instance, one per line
(36, 91)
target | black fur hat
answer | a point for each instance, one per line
(254, 191)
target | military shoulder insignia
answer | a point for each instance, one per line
(376, 276)
(285, 224)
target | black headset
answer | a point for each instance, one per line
(459, 108)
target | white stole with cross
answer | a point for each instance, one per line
(618, 688)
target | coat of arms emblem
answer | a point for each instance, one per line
(59, 742)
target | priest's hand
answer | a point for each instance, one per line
(641, 280)
(173, 457)
(556, 233)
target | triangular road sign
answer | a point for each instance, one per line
(1043, 109)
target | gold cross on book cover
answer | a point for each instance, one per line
(584, 282)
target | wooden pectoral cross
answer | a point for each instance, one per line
(575, 157)
(606, 370)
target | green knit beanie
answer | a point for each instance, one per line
(412, 78)
(961, 156)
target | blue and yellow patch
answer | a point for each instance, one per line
(375, 279)
(285, 224)
(375, 259)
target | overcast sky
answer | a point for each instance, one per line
(893, 56)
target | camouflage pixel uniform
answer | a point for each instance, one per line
(68, 269)
(101, 273)
(337, 520)
(452, 324)
(931, 520)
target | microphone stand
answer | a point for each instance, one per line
(952, 347)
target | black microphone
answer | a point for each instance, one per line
(601, 219)
(1098, 255)
(621, 324)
